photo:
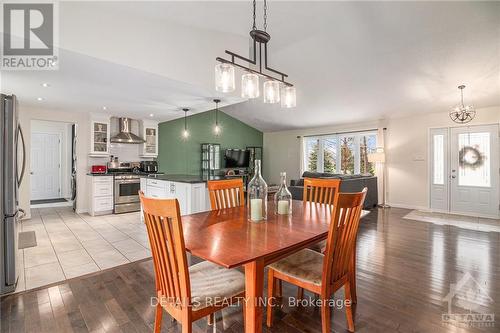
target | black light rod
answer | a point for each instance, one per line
(219, 59)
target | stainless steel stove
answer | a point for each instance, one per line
(127, 183)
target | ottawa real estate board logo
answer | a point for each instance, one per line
(29, 35)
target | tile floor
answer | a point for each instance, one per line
(70, 245)
(465, 222)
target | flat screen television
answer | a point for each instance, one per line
(236, 158)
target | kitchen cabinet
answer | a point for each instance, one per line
(99, 135)
(193, 198)
(149, 132)
(101, 195)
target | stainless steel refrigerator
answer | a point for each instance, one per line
(12, 166)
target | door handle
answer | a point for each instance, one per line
(21, 176)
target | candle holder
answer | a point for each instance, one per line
(257, 196)
(283, 198)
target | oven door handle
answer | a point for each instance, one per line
(134, 181)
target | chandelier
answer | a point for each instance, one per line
(275, 89)
(462, 113)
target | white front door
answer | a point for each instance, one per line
(45, 166)
(474, 170)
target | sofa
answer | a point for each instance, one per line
(349, 183)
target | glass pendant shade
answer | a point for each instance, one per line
(288, 97)
(250, 85)
(257, 196)
(224, 78)
(185, 134)
(271, 92)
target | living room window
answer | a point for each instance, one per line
(345, 153)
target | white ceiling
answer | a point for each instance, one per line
(350, 61)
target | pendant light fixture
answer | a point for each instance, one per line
(462, 113)
(185, 133)
(217, 128)
(271, 92)
(224, 70)
(288, 97)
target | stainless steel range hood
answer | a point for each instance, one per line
(125, 135)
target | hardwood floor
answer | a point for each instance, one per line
(404, 270)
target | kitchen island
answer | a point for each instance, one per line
(190, 190)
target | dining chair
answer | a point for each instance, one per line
(187, 294)
(320, 190)
(226, 193)
(325, 273)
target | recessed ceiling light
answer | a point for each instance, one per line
(104, 108)
(39, 99)
(45, 85)
(151, 115)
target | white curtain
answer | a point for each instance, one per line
(301, 154)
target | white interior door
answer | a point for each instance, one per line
(474, 169)
(45, 166)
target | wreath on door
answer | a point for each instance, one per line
(470, 157)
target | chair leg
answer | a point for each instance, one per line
(210, 319)
(348, 309)
(325, 315)
(270, 294)
(300, 293)
(352, 279)
(158, 318)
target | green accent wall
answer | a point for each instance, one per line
(182, 156)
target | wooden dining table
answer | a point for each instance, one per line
(227, 238)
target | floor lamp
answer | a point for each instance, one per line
(379, 159)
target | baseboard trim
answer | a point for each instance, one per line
(405, 206)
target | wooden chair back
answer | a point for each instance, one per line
(164, 227)
(226, 193)
(320, 190)
(341, 241)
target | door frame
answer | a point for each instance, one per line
(447, 169)
(59, 134)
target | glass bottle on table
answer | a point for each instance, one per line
(283, 198)
(257, 196)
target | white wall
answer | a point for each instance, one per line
(406, 148)
(64, 129)
(82, 120)
(407, 154)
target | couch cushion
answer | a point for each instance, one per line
(310, 174)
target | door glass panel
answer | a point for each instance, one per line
(438, 159)
(330, 155)
(474, 158)
(347, 154)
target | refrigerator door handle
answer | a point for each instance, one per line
(23, 169)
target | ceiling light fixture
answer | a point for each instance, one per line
(45, 85)
(104, 108)
(224, 71)
(217, 128)
(462, 113)
(39, 99)
(185, 133)
(151, 115)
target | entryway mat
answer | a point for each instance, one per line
(460, 221)
(27, 239)
(46, 201)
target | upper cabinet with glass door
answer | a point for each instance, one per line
(149, 132)
(99, 136)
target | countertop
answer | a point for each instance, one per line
(191, 179)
